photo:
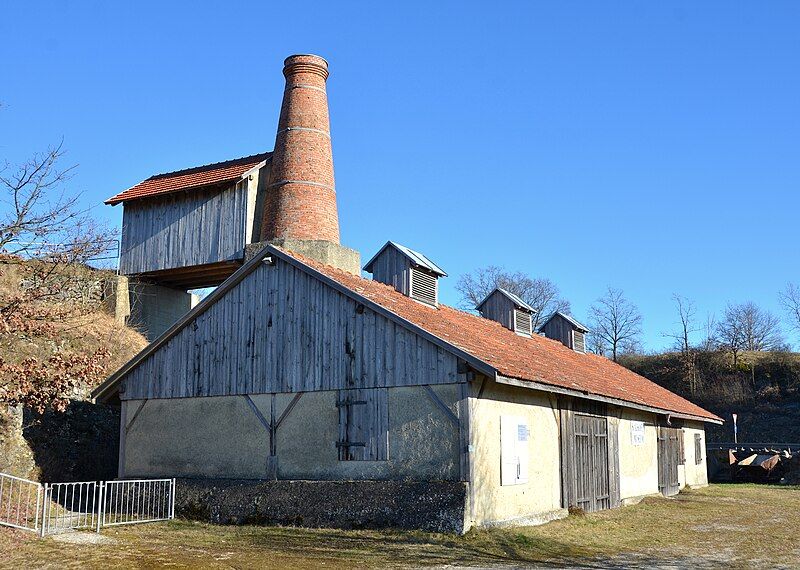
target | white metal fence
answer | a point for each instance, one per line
(89, 505)
(139, 501)
(20, 501)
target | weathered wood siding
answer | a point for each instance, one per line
(499, 308)
(185, 229)
(559, 329)
(283, 330)
(393, 268)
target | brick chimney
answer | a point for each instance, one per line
(301, 196)
(300, 199)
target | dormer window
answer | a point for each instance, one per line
(568, 331)
(408, 271)
(508, 310)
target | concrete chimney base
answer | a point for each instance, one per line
(324, 251)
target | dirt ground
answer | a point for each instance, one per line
(722, 525)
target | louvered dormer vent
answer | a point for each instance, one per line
(509, 310)
(522, 322)
(579, 341)
(408, 271)
(568, 331)
(424, 287)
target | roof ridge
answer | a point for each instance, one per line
(193, 169)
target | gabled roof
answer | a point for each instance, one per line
(513, 298)
(217, 173)
(415, 257)
(538, 362)
(567, 318)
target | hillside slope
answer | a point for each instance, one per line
(763, 389)
(57, 334)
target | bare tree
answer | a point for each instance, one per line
(616, 321)
(748, 327)
(686, 326)
(710, 340)
(540, 293)
(40, 219)
(790, 300)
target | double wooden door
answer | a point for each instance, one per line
(669, 455)
(592, 488)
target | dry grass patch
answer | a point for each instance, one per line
(734, 526)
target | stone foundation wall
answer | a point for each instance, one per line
(430, 506)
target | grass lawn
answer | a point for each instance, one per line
(730, 525)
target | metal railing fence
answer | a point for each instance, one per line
(20, 501)
(69, 506)
(85, 505)
(137, 501)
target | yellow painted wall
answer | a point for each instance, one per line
(638, 464)
(693, 474)
(539, 499)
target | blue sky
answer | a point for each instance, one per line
(648, 146)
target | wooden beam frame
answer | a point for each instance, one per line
(441, 405)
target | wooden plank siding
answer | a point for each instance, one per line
(393, 268)
(282, 329)
(560, 330)
(498, 307)
(198, 227)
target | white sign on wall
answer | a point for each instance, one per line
(637, 433)
(514, 437)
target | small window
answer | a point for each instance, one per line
(514, 436)
(681, 448)
(423, 287)
(698, 449)
(363, 425)
(522, 322)
(578, 341)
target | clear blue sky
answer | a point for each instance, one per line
(649, 146)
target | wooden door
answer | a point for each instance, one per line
(592, 489)
(669, 450)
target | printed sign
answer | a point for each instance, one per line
(522, 432)
(637, 433)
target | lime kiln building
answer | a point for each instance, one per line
(300, 391)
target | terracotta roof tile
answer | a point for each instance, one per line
(537, 359)
(190, 178)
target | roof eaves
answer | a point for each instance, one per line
(546, 387)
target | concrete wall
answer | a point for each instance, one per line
(155, 308)
(638, 464)
(693, 474)
(221, 437)
(538, 500)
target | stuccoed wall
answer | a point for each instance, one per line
(638, 464)
(693, 474)
(221, 437)
(155, 308)
(534, 502)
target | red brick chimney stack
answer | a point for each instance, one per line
(301, 198)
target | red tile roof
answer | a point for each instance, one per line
(536, 359)
(216, 173)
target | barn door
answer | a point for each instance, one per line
(668, 458)
(592, 490)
